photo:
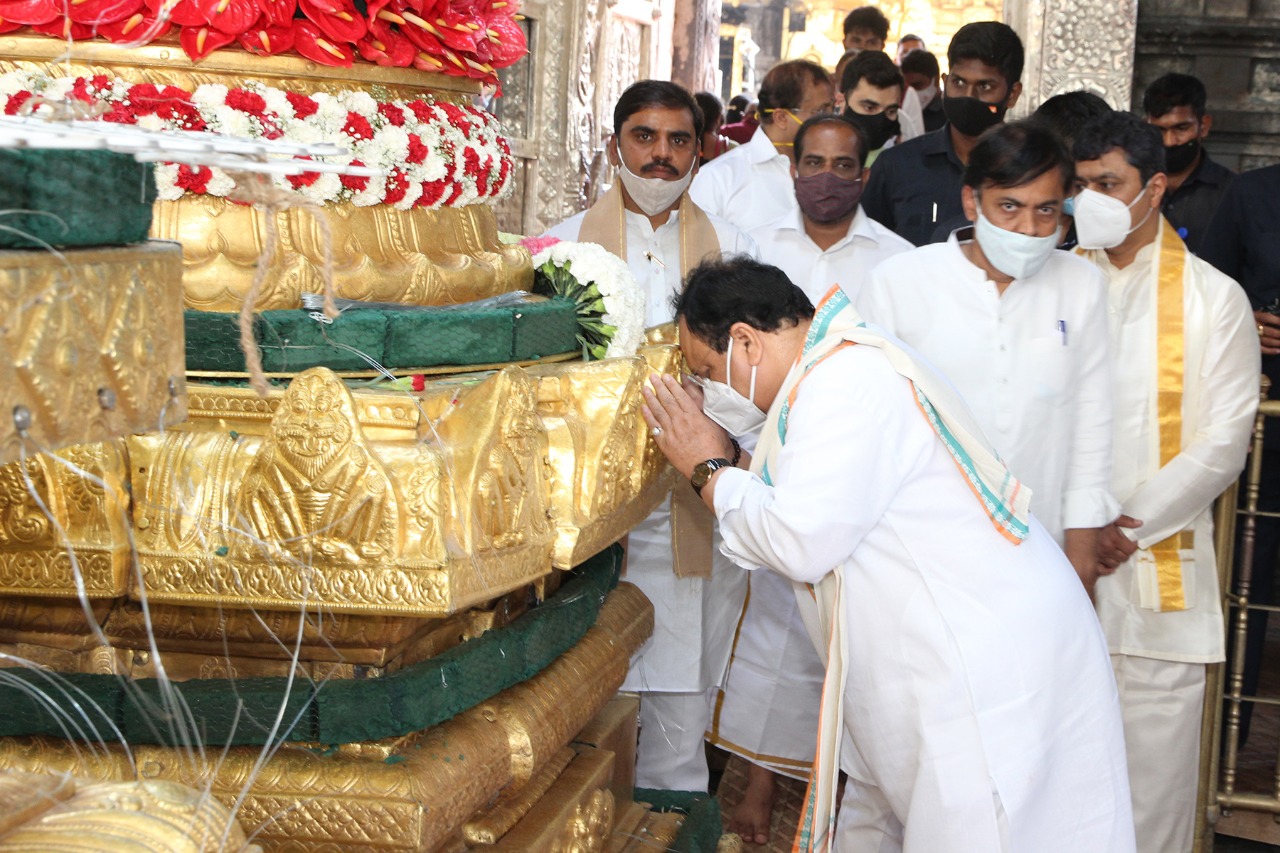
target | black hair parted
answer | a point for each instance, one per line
(1142, 143)
(867, 18)
(784, 87)
(738, 289)
(991, 43)
(840, 120)
(875, 67)
(656, 93)
(1066, 113)
(1014, 154)
(921, 62)
(1175, 90)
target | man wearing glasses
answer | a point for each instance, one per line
(751, 185)
(768, 712)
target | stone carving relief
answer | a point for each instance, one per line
(1075, 44)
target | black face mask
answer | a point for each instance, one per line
(877, 129)
(971, 116)
(1178, 158)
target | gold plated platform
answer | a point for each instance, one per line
(87, 345)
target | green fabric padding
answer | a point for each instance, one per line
(292, 341)
(702, 828)
(340, 711)
(64, 195)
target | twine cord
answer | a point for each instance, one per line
(257, 189)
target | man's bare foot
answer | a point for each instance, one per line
(752, 815)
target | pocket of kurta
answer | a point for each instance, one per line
(1051, 366)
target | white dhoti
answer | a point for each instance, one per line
(1161, 704)
(768, 710)
(694, 620)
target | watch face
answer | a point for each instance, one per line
(703, 470)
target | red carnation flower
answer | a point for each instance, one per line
(302, 105)
(357, 127)
(432, 192)
(15, 102)
(418, 382)
(457, 191)
(355, 182)
(194, 180)
(247, 102)
(306, 179)
(418, 149)
(397, 186)
(422, 110)
(393, 114)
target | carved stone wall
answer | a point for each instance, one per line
(1075, 44)
(1234, 47)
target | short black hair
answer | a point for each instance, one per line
(875, 67)
(1174, 90)
(991, 43)
(711, 108)
(1142, 143)
(867, 18)
(921, 62)
(1065, 114)
(1016, 153)
(656, 93)
(910, 37)
(797, 146)
(784, 86)
(738, 289)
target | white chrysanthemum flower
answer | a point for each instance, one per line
(220, 183)
(209, 95)
(167, 188)
(277, 103)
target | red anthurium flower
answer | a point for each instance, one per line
(28, 12)
(507, 42)
(199, 42)
(279, 12)
(267, 40)
(63, 27)
(313, 43)
(386, 46)
(229, 16)
(9, 26)
(181, 12)
(101, 11)
(426, 62)
(140, 26)
(338, 19)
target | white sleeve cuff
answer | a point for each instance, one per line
(1084, 508)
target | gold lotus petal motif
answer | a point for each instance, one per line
(87, 347)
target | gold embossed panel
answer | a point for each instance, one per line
(306, 506)
(90, 345)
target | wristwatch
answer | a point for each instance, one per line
(703, 470)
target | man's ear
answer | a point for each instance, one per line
(1159, 184)
(749, 340)
(970, 203)
(611, 149)
(1014, 92)
(1206, 124)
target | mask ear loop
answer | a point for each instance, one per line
(1130, 205)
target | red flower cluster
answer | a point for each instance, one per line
(464, 38)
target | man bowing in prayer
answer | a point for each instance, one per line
(648, 220)
(966, 673)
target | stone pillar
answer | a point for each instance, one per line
(1075, 44)
(696, 42)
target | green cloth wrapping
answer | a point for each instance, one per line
(701, 830)
(241, 712)
(73, 198)
(292, 341)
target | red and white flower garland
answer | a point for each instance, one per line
(434, 154)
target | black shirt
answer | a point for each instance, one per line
(1243, 241)
(934, 117)
(1192, 205)
(914, 189)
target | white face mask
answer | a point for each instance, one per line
(736, 413)
(1016, 255)
(1102, 222)
(927, 94)
(652, 195)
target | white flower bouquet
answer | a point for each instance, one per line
(611, 304)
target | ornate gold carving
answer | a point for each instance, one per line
(415, 795)
(514, 803)
(607, 475)
(61, 515)
(135, 816)
(86, 345)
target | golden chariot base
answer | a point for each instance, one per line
(419, 256)
(87, 349)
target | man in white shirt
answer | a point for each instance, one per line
(768, 710)
(648, 220)
(967, 674)
(751, 185)
(1186, 367)
(1020, 328)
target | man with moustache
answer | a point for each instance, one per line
(768, 710)
(648, 220)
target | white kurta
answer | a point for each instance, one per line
(1220, 396)
(653, 255)
(848, 262)
(980, 701)
(749, 186)
(1032, 364)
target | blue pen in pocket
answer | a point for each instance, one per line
(1062, 330)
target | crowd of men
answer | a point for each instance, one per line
(961, 394)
